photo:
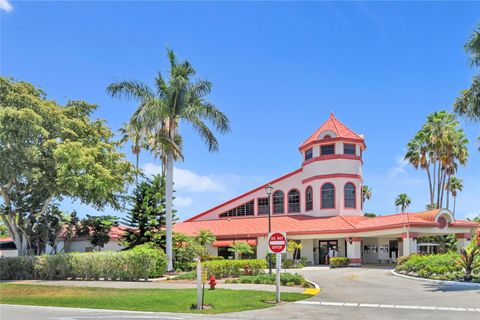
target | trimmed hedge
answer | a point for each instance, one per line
(135, 264)
(234, 268)
(286, 279)
(336, 262)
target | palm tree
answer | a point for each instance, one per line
(455, 185)
(160, 112)
(468, 104)
(438, 147)
(241, 248)
(133, 134)
(366, 193)
(402, 201)
(205, 237)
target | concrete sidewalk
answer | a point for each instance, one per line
(152, 285)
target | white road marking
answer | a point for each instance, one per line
(386, 306)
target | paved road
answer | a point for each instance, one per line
(349, 293)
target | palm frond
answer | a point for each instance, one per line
(205, 133)
(131, 90)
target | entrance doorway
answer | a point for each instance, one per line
(323, 247)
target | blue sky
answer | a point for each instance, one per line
(278, 70)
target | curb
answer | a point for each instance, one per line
(313, 291)
(444, 282)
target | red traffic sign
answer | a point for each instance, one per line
(277, 242)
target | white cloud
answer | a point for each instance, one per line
(187, 180)
(182, 202)
(5, 5)
(399, 168)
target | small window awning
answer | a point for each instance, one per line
(229, 243)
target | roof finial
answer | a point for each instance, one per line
(331, 114)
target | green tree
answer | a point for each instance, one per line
(468, 104)
(204, 238)
(294, 247)
(97, 229)
(146, 218)
(161, 110)
(241, 248)
(3, 231)
(370, 215)
(438, 148)
(402, 201)
(366, 193)
(49, 152)
(454, 187)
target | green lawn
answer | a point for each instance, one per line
(166, 300)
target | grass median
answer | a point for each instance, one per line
(161, 300)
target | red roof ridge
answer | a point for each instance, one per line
(285, 176)
(343, 218)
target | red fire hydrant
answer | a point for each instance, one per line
(212, 282)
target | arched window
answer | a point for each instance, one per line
(309, 199)
(349, 195)
(328, 196)
(278, 202)
(293, 201)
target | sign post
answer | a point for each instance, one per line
(277, 243)
(199, 285)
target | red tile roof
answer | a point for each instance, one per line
(334, 125)
(303, 224)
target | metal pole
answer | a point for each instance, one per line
(279, 265)
(269, 231)
(199, 285)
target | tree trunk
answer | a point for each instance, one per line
(137, 158)
(448, 191)
(454, 200)
(434, 183)
(430, 187)
(168, 205)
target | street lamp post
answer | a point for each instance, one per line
(268, 190)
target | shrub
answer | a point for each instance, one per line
(336, 262)
(157, 258)
(286, 279)
(125, 265)
(192, 275)
(211, 258)
(435, 266)
(229, 268)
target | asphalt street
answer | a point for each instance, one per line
(348, 293)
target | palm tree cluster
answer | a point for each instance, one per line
(155, 123)
(468, 104)
(438, 148)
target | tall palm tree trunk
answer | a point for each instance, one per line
(168, 205)
(454, 201)
(448, 192)
(137, 160)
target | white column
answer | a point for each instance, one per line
(354, 251)
(409, 243)
(463, 239)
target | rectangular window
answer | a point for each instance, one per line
(349, 149)
(308, 154)
(327, 149)
(263, 206)
(243, 210)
